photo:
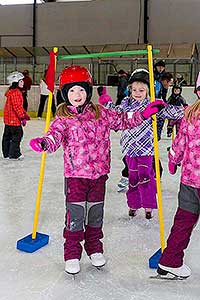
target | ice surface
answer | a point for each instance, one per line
(128, 243)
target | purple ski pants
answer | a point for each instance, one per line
(185, 219)
(84, 216)
(179, 238)
(142, 184)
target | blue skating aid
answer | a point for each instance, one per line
(27, 244)
(154, 259)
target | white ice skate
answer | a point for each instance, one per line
(123, 185)
(98, 260)
(182, 272)
(72, 266)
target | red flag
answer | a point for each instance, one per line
(50, 75)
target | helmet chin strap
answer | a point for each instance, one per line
(80, 108)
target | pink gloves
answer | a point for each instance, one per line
(103, 96)
(171, 166)
(104, 99)
(153, 108)
(37, 144)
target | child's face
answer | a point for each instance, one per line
(177, 91)
(160, 69)
(77, 95)
(21, 83)
(139, 91)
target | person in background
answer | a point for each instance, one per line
(14, 118)
(27, 86)
(161, 89)
(83, 130)
(122, 86)
(175, 99)
(184, 150)
(159, 70)
(180, 79)
(44, 93)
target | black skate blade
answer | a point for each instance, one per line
(99, 268)
(72, 275)
(124, 190)
(165, 277)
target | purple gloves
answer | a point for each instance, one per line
(171, 166)
(103, 96)
(37, 144)
(25, 119)
(23, 122)
(153, 108)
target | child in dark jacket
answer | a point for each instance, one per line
(175, 99)
(14, 118)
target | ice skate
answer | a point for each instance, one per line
(148, 214)
(132, 212)
(72, 266)
(123, 185)
(98, 260)
(170, 273)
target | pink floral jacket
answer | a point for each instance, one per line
(86, 140)
(186, 149)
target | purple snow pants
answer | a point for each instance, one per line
(184, 222)
(142, 184)
(84, 216)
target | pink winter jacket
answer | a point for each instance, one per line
(86, 141)
(186, 149)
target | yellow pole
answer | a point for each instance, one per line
(173, 133)
(42, 165)
(156, 153)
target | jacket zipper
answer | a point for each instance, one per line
(71, 161)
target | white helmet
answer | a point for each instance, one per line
(14, 77)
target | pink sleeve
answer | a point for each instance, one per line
(55, 135)
(123, 120)
(178, 147)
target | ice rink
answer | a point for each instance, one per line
(128, 242)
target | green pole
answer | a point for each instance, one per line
(106, 54)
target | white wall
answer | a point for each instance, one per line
(174, 21)
(99, 22)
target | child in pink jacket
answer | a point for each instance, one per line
(83, 130)
(185, 150)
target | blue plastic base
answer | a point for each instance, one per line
(154, 259)
(27, 244)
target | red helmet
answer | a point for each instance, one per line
(74, 74)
